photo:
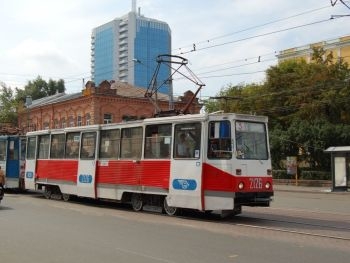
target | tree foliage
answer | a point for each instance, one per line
(11, 101)
(39, 88)
(307, 105)
(8, 112)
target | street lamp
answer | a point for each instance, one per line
(137, 61)
(27, 104)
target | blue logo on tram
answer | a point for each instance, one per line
(184, 184)
(85, 178)
(29, 175)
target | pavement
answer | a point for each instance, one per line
(308, 189)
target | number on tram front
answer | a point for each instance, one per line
(255, 183)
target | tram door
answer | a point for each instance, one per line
(87, 165)
(13, 163)
(185, 182)
(29, 179)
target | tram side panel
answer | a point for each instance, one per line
(115, 177)
(62, 173)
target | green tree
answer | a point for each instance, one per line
(307, 105)
(8, 105)
(39, 88)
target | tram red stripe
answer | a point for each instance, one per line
(65, 170)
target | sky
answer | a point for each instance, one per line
(235, 40)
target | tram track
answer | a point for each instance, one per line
(297, 222)
(324, 225)
(295, 232)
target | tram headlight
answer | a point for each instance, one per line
(240, 185)
(268, 185)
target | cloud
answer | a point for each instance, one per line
(40, 56)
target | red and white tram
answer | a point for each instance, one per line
(205, 162)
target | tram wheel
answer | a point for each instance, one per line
(66, 197)
(48, 192)
(170, 210)
(136, 202)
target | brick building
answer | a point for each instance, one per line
(107, 103)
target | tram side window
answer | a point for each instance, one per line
(44, 143)
(72, 145)
(131, 143)
(2, 150)
(57, 146)
(219, 140)
(187, 140)
(158, 141)
(13, 152)
(88, 145)
(31, 146)
(110, 144)
(251, 141)
(23, 149)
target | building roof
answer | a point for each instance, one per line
(122, 90)
(59, 97)
(127, 90)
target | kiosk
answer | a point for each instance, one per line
(340, 160)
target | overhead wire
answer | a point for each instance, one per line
(252, 27)
(261, 35)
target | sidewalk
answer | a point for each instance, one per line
(307, 189)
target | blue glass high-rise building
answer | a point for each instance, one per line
(126, 49)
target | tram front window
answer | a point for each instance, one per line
(251, 141)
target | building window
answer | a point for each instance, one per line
(71, 121)
(56, 124)
(46, 125)
(63, 123)
(88, 119)
(107, 118)
(79, 121)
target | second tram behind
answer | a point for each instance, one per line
(12, 160)
(204, 162)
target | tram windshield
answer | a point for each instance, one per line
(251, 140)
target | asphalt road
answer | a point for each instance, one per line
(299, 227)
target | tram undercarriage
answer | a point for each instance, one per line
(158, 203)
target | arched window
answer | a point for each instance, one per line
(63, 123)
(56, 124)
(79, 121)
(88, 119)
(107, 118)
(71, 121)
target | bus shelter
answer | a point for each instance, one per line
(340, 161)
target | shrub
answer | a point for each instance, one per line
(315, 175)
